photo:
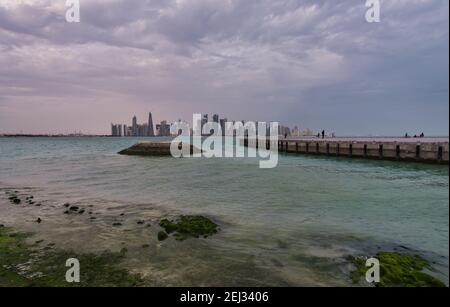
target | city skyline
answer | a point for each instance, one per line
(315, 63)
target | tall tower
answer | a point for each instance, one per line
(150, 131)
(135, 127)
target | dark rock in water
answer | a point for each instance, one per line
(122, 214)
(81, 211)
(74, 208)
(145, 246)
(67, 205)
(93, 218)
(16, 201)
(190, 226)
(397, 270)
(67, 212)
(38, 205)
(38, 220)
(162, 235)
(1, 225)
(152, 148)
(140, 222)
(117, 224)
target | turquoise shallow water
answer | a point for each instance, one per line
(292, 225)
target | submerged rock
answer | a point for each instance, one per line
(153, 148)
(162, 235)
(189, 226)
(397, 270)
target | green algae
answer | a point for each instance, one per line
(162, 235)
(397, 270)
(23, 265)
(189, 226)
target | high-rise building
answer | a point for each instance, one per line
(204, 120)
(216, 118)
(113, 130)
(150, 131)
(135, 126)
(222, 125)
(163, 129)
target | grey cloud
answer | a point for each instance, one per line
(298, 61)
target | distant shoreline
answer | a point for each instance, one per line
(338, 138)
(62, 136)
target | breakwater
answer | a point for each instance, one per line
(429, 150)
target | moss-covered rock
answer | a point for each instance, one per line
(189, 226)
(397, 270)
(24, 265)
(162, 235)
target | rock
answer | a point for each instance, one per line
(38, 220)
(397, 270)
(145, 246)
(2, 226)
(38, 205)
(67, 205)
(117, 224)
(16, 201)
(162, 235)
(190, 226)
(74, 208)
(81, 211)
(140, 222)
(67, 212)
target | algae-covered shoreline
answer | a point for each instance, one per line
(41, 265)
(172, 246)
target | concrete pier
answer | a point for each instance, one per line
(429, 150)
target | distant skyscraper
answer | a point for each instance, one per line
(150, 131)
(216, 118)
(135, 126)
(222, 125)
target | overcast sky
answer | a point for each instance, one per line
(316, 64)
